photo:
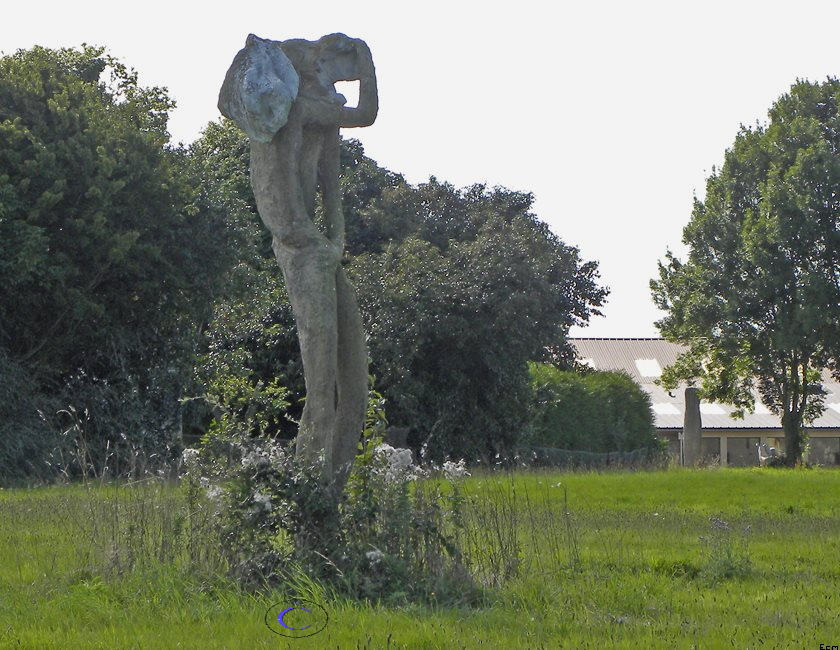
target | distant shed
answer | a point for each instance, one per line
(731, 441)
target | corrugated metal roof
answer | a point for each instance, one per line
(669, 408)
(615, 354)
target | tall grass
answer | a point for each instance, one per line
(576, 560)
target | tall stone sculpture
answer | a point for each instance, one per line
(282, 94)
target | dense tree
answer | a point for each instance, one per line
(117, 252)
(758, 300)
(457, 310)
(459, 290)
(375, 209)
(250, 342)
(108, 259)
(251, 346)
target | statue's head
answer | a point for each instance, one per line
(334, 57)
(266, 77)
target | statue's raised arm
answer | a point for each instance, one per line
(360, 68)
(282, 94)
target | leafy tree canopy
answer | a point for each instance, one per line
(456, 310)
(99, 246)
(758, 300)
(458, 288)
(109, 257)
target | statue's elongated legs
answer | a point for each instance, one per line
(352, 377)
(310, 283)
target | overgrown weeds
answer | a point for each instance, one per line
(725, 551)
(248, 509)
(641, 576)
(391, 536)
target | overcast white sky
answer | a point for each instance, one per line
(612, 113)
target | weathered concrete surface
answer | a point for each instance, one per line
(692, 428)
(287, 172)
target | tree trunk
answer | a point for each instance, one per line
(794, 438)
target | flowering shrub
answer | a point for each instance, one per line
(400, 530)
(395, 466)
(454, 471)
(388, 536)
(252, 485)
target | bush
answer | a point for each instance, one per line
(25, 438)
(102, 229)
(385, 538)
(591, 411)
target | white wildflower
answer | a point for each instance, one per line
(255, 459)
(189, 457)
(276, 453)
(720, 524)
(454, 471)
(397, 464)
(374, 557)
(214, 492)
(263, 499)
(384, 450)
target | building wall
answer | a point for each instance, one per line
(738, 447)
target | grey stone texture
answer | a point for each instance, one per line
(692, 428)
(259, 89)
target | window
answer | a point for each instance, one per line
(665, 409)
(824, 451)
(648, 367)
(709, 449)
(742, 451)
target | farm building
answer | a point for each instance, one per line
(722, 437)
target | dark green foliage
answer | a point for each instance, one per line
(220, 159)
(458, 289)
(107, 260)
(457, 310)
(118, 254)
(372, 196)
(250, 340)
(80, 184)
(25, 441)
(758, 300)
(592, 411)
(252, 346)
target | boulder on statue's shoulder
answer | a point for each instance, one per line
(259, 89)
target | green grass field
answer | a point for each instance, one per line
(670, 559)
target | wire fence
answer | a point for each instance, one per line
(575, 459)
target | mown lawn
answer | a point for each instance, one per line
(671, 559)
